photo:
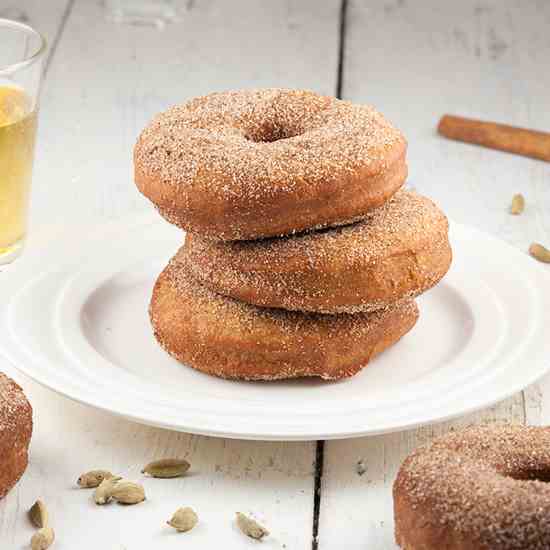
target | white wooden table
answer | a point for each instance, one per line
(111, 67)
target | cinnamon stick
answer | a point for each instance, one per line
(520, 141)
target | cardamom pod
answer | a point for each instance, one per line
(251, 528)
(38, 514)
(127, 492)
(92, 479)
(42, 539)
(166, 468)
(518, 204)
(184, 519)
(103, 493)
(540, 253)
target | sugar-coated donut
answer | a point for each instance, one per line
(259, 163)
(398, 251)
(15, 433)
(232, 339)
(483, 488)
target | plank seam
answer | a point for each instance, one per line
(319, 461)
(59, 33)
(341, 48)
(320, 446)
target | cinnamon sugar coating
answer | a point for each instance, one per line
(482, 488)
(398, 251)
(15, 433)
(259, 163)
(232, 339)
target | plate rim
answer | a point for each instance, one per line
(538, 273)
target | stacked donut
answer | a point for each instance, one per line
(303, 254)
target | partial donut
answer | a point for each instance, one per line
(483, 488)
(398, 251)
(250, 164)
(15, 433)
(231, 339)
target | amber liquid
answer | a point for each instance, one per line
(17, 137)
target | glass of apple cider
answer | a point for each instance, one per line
(21, 59)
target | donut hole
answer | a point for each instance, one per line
(530, 475)
(270, 133)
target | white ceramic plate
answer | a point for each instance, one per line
(75, 319)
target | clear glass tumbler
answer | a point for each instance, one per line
(21, 58)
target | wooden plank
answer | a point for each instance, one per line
(109, 78)
(415, 62)
(112, 70)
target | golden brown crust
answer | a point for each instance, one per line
(482, 488)
(231, 339)
(250, 164)
(400, 250)
(15, 433)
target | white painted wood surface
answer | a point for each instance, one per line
(108, 79)
(33, 12)
(105, 80)
(415, 61)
